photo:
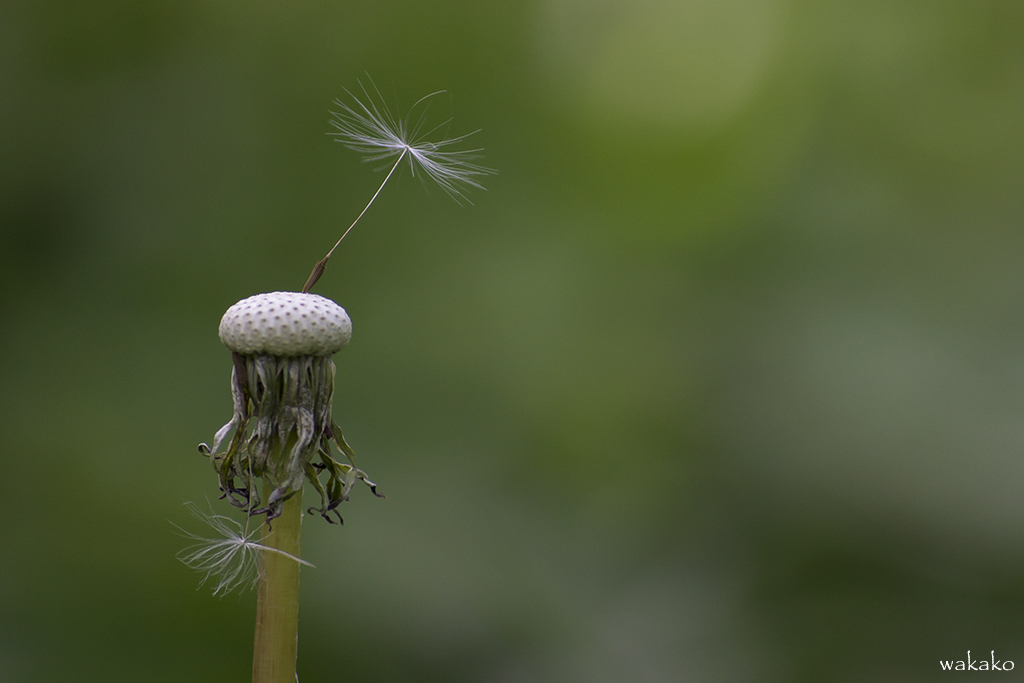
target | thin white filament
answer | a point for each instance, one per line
(331, 252)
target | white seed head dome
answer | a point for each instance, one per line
(286, 324)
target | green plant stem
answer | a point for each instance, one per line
(277, 606)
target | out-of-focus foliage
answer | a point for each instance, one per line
(721, 380)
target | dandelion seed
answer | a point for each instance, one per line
(372, 130)
(233, 560)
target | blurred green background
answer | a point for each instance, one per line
(722, 379)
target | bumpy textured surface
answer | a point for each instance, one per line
(286, 324)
